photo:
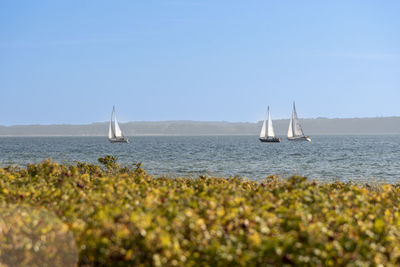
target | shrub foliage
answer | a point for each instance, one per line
(123, 217)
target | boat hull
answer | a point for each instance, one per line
(300, 138)
(118, 140)
(270, 140)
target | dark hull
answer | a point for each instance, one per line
(270, 140)
(118, 140)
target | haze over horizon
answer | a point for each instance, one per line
(69, 62)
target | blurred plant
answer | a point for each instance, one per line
(124, 217)
(34, 237)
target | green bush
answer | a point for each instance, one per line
(124, 217)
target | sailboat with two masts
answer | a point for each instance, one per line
(114, 131)
(267, 131)
(295, 132)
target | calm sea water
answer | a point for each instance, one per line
(326, 158)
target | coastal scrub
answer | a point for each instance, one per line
(121, 216)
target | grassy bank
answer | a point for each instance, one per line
(122, 216)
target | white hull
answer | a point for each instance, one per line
(300, 138)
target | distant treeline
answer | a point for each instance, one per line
(318, 126)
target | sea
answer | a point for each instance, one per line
(365, 159)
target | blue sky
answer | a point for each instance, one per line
(70, 61)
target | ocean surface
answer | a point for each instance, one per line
(326, 158)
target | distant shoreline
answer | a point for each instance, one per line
(318, 126)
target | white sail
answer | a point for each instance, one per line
(267, 129)
(271, 132)
(290, 131)
(110, 128)
(118, 132)
(263, 129)
(297, 130)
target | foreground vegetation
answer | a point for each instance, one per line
(122, 216)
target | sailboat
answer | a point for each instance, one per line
(295, 132)
(267, 131)
(114, 131)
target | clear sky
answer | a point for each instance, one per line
(71, 61)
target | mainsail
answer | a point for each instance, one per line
(297, 130)
(118, 132)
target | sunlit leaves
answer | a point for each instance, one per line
(121, 216)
